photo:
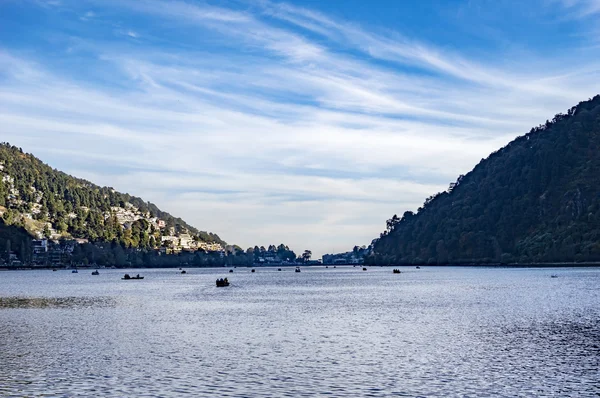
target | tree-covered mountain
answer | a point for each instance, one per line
(49, 203)
(535, 200)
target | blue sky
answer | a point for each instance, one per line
(303, 122)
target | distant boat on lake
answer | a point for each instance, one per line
(127, 277)
(74, 271)
(222, 282)
(96, 273)
(297, 269)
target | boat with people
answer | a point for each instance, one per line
(253, 270)
(223, 282)
(231, 271)
(297, 269)
(396, 271)
(95, 272)
(74, 271)
(127, 277)
(364, 269)
(184, 272)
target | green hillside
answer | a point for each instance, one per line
(49, 203)
(535, 200)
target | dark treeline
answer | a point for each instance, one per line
(14, 239)
(272, 253)
(115, 254)
(535, 200)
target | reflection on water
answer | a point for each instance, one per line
(323, 332)
(56, 302)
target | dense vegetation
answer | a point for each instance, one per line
(35, 197)
(535, 200)
(272, 253)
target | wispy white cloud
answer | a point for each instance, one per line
(581, 8)
(87, 16)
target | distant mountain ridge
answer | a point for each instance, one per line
(49, 203)
(535, 200)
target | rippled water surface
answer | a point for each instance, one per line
(339, 332)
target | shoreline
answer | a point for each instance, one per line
(491, 265)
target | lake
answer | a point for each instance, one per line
(336, 332)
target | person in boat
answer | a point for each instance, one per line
(137, 276)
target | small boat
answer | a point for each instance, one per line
(96, 273)
(54, 269)
(396, 271)
(554, 276)
(127, 277)
(253, 270)
(184, 272)
(74, 271)
(222, 282)
(230, 271)
(278, 269)
(327, 266)
(364, 269)
(418, 267)
(297, 269)
(334, 266)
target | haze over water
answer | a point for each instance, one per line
(323, 332)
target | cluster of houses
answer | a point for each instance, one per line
(171, 242)
(45, 252)
(51, 248)
(352, 257)
(186, 242)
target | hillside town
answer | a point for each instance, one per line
(52, 246)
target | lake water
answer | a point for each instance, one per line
(323, 332)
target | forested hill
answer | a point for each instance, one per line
(535, 200)
(49, 203)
